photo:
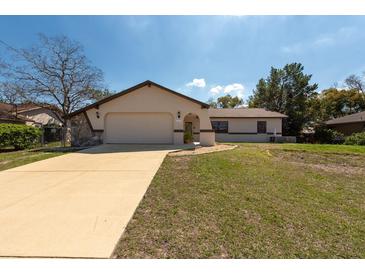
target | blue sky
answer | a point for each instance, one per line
(224, 54)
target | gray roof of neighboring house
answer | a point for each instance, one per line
(28, 109)
(353, 118)
(9, 117)
(243, 113)
(32, 106)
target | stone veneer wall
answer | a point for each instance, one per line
(82, 134)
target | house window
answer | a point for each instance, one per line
(220, 126)
(261, 126)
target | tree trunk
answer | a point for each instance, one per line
(67, 136)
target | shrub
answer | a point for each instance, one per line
(18, 136)
(188, 137)
(356, 139)
(325, 135)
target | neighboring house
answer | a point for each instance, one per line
(348, 124)
(44, 116)
(7, 115)
(6, 108)
(151, 113)
(31, 115)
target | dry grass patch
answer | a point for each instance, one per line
(350, 164)
(203, 150)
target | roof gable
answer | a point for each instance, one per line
(131, 89)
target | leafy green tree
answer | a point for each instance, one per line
(226, 101)
(287, 91)
(212, 103)
(333, 103)
(229, 102)
(336, 103)
(98, 94)
(315, 112)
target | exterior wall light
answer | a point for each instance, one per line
(178, 115)
(97, 115)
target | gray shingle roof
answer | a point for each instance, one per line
(353, 118)
(244, 113)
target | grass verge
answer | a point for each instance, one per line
(11, 159)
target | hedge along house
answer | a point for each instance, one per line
(149, 113)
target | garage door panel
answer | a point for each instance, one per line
(154, 128)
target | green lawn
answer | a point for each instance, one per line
(256, 201)
(18, 158)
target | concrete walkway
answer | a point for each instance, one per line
(76, 205)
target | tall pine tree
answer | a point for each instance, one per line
(287, 91)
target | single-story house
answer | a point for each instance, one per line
(348, 124)
(8, 116)
(151, 113)
(45, 116)
(30, 114)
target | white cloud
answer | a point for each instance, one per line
(239, 93)
(295, 48)
(320, 42)
(199, 83)
(342, 35)
(137, 23)
(233, 89)
(323, 41)
(216, 90)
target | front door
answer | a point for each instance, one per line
(188, 133)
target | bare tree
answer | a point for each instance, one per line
(55, 71)
(356, 82)
(9, 93)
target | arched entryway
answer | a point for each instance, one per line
(191, 128)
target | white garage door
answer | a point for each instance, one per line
(138, 127)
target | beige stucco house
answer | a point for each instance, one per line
(151, 113)
(40, 115)
(9, 115)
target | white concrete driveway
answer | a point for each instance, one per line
(76, 205)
